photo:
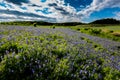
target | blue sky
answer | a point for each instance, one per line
(59, 10)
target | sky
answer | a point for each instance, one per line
(59, 10)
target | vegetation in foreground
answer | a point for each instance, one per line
(28, 53)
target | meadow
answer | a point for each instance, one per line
(57, 53)
(111, 32)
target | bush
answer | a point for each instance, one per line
(95, 31)
(78, 29)
(53, 27)
(34, 24)
(86, 28)
(111, 31)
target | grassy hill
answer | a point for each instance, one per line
(106, 21)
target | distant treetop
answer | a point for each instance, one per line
(106, 21)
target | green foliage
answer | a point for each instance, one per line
(95, 31)
(49, 57)
(53, 26)
(111, 31)
(100, 33)
(34, 24)
(86, 28)
(78, 29)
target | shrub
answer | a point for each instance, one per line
(78, 29)
(53, 27)
(111, 31)
(34, 24)
(95, 31)
(86, 28)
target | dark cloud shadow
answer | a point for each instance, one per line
(19, 14)
(18, 2)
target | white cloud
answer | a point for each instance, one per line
(55, 13)
(98, 5)
(117, 15)
(1, 7)
(8, 15)
(60, 12)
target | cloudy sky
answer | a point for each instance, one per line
(59, 10)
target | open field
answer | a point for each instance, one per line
(37, 53)
(115, 28)
(104, 31)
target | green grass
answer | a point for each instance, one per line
(114, 28)
(109, 32)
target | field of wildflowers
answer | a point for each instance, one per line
(33, 53)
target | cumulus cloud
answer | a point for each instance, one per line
(117, 15)
(35, 8)
(22, 16)
(50, 10)
(98, 5)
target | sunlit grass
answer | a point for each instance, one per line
(109, 32)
